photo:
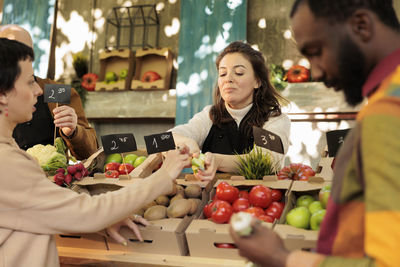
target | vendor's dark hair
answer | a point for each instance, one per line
(11, 53)
(340, 10)
(265, 98)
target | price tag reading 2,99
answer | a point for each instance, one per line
(267, 139)
(118, 143)
(57, 93)
(159, 142)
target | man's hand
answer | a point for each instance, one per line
(65, 118)
(263, 247)
(113, 230)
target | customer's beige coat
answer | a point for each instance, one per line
(32, 208)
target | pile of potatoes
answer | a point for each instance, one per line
(181, 202)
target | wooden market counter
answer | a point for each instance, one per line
(70, 256)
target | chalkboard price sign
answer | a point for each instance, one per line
(335, 139)
(159, 142)
(57, 93)
(118, 143)
(267, 139)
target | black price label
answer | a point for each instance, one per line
(118, 143)
(267, 139)
(335, 140)
(159, 142)
(57, 93)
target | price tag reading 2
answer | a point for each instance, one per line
(118, 143)
(159, 142)
(57, 93)
(267, 139)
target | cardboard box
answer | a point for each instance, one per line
(157, 60)
(115, 61)
(203, 235)
(89, 241)
(295, 238)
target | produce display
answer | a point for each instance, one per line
(65, 177)
(50, 157)
(115, 165)
(181, 202)
(150, 76)
(258, 202)
(309, 212)
(255, 164)
(296, 171)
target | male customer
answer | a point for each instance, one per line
(71, 120)
(353, 46)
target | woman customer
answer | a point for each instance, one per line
(32, 208)
(243, 98)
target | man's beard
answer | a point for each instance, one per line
(352, 73)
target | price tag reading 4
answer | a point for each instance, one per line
(159, 142)
(267, 139)
(335, 140)
(57, 93)
(118, 143)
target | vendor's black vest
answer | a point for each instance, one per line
(229, 139)
(40, 130)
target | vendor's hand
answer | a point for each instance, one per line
(176, 160)
(65, 118)
(113, 230)
(210, 167)
(263, 247)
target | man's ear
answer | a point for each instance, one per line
(362, 24)
(3, 99)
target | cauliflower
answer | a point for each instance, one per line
(48, 157)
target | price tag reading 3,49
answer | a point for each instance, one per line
(159, 142)
(57, 93)
(118, 143)
(267, 139)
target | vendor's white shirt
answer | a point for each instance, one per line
(200, 125)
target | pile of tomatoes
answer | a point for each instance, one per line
(261, 201)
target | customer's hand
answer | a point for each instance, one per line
(113, 230)
(176, 160)
(65, 118)
(210, 168)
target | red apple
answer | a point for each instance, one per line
(150, 76)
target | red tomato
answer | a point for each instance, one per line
(112, 166)
(227, 192)
(260, 196)
(298, 74)
(243, 194)
(207, 210)
(221, 211)
(255, 211)
(276, 195)
(225, 245)
(296, 171)
(266, 218)
(275, 210)
(125, 168)
(112, 174)
(240, 204)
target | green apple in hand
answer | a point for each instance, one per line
(315, 206)
(299, 217)
(130, 158)
(316, 219)
(324, 194)
(139, 161)
(304, 201)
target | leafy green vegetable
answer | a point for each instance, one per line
(48, 157)
(255, 164)
(278, 76)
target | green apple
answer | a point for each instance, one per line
(299, 217)
(315, 206)
(123, 73)
(130, 158)
(304, 201)
(110, 77)
(113, 158)
(139, 161)
(316, 219)
(324, 194)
